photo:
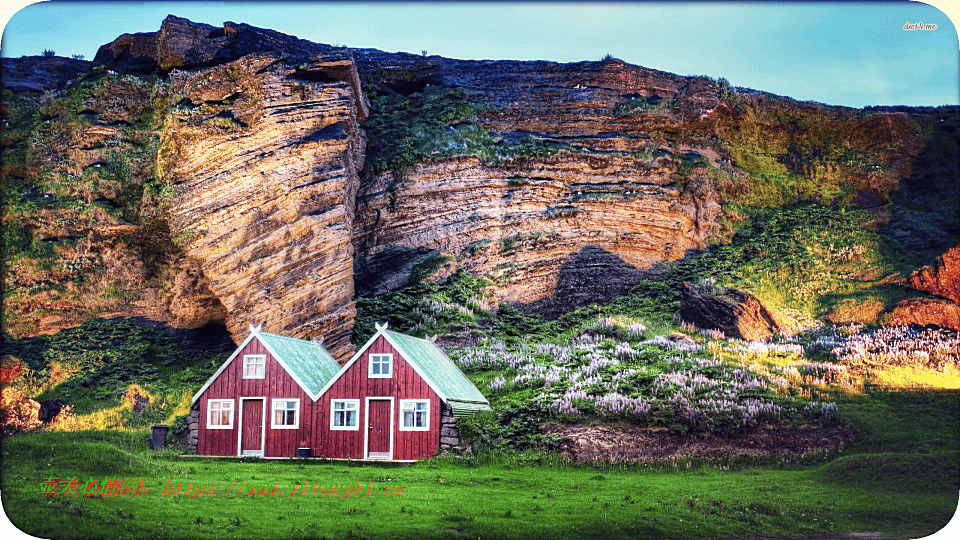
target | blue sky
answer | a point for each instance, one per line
(839, 53)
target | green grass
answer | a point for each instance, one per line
(103, 358)
(896, 492)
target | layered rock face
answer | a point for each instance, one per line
(264, 160)
(549, 233)
(579, 226)
(643, 167)
(263, 150)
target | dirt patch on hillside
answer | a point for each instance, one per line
(619, 444)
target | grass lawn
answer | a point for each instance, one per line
(898, 481)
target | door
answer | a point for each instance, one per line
(251, 433)
(379, 420)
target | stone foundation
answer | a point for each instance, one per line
(450, 433)
(193, 428)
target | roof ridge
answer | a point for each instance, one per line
(289, 338)
(411, 337)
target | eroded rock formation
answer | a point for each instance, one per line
(736, 313)
(942, 278)
(261, 140)
(265, 162)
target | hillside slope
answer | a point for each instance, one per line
(221, 176)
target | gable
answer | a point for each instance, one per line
(307, 363)
(431, 364)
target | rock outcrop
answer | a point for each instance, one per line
(551, 231)
(942, 278)
(40, 73)
(264, 158)
(925, 311)
(272, 218)
(736, 313)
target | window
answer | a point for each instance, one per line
(220, 414)
(344, 414)
(286, 414)
(415, 414)
(381, 366)
(253, 366)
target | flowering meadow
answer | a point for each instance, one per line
(673, 382)
(693, 381)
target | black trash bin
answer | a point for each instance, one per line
(158, 437)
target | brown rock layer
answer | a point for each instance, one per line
(942, 278)
(735, 313)
(550, 233)
(264, 160)
(924, 311)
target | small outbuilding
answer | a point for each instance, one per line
(396, 399)
(261, 402)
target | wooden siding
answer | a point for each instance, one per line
(276, 383)
(354, 384)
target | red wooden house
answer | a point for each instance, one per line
(262, 399)
(397, 399)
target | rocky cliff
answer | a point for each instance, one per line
(234, 174)
(263, 150)
(568, 182)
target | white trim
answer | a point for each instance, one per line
(333, 412)
(253, 334)
(263, 427)
(232, 413)
(366, 424)
(273, 413)
(251, 357)
(388, 374)
(426, 426)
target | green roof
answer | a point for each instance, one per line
(308, 362)
(460, 394)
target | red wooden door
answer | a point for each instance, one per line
(251, 435)
(378, 442)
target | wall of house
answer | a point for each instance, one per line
(277, 383)
(355, 384)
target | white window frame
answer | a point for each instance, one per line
(403, 426)
(388, 374)
(233, 409)
(248, 358)
(356, 416)
(296, 413)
